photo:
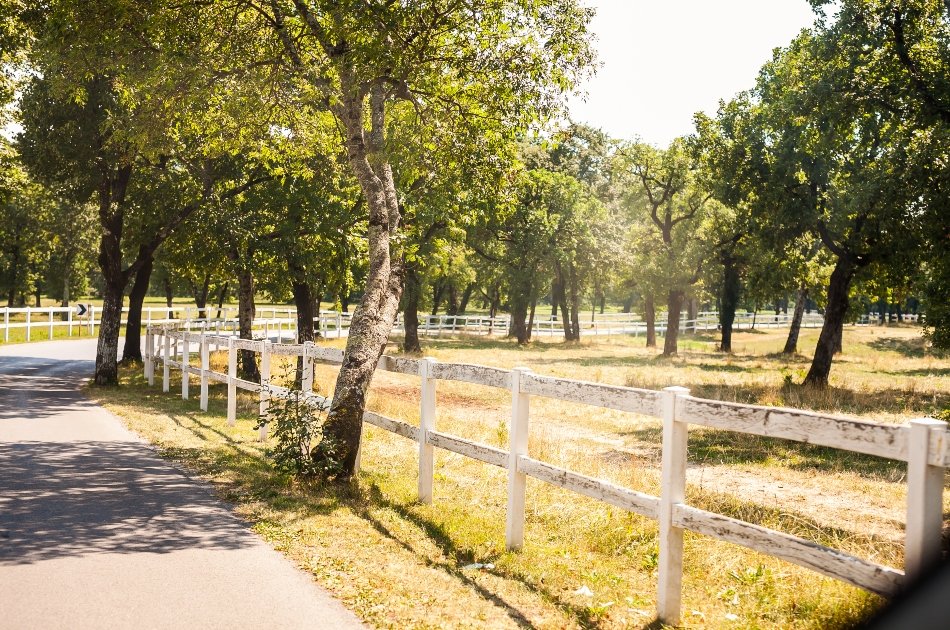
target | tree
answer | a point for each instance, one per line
(669, 206)
(462, 74)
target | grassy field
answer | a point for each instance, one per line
(401, 564)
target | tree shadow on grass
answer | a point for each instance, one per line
(909, 347)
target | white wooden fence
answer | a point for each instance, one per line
(268, 320)
(923, 443)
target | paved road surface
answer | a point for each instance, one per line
(98, 532)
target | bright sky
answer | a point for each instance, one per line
(664, 60)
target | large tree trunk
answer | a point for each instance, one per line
(410, 317)
(674, 306)
(132, 350)
(835, 311)
(376, 313)
(559, 294)
(791, 343)
(248, 367)
(728, 301)
(111, 217)
(649, 314)
(534, 305)
(107, 349)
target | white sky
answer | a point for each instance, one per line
(664, 60)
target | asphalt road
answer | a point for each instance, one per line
(96, 531)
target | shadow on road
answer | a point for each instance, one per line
(76, 498)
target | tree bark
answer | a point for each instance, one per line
(376, 313)
(649, 314)
(410, 317)
(438, 289)
(791, 343)
(132, 350)
(248, 360)
(112, 187)
(835, 312)
(674, 306)
(728, 301)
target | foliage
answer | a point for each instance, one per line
(294, 424)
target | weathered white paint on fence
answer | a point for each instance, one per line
(672, 493)
(924, 444)
(924, 489)
(478, 374)
(426, 427)
(517, 447)
(831, 562)
(870, 438)
(398, 427)
(398, 365)
(475, 450)
(630, 500)
(642, 401)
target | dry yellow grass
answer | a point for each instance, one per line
(401, 564)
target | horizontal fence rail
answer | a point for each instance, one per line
(924, 444)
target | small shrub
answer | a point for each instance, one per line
(295, 424)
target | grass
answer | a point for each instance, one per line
(397, 563)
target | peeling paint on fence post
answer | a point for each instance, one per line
(166, 368)
(924, 499)
(306, 381)
(232, 383)
(672, 492)
(426, 424)
(149, 356)
(205, 366)
(265, 387)
(517, 446)
(185, 361)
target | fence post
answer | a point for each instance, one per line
(232, 384)
(92, 320)
(149, 360)
(205, 366)
(28, 323)
(165, 366)
(306, 380)
(185, 360)
(426, 424)
(265, 387)
(51, 322)
(6, 324)
(69, 320)
(924, 498)
(339, 324)
(517, 446)
(672, 492)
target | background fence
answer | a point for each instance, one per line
(924, 444)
